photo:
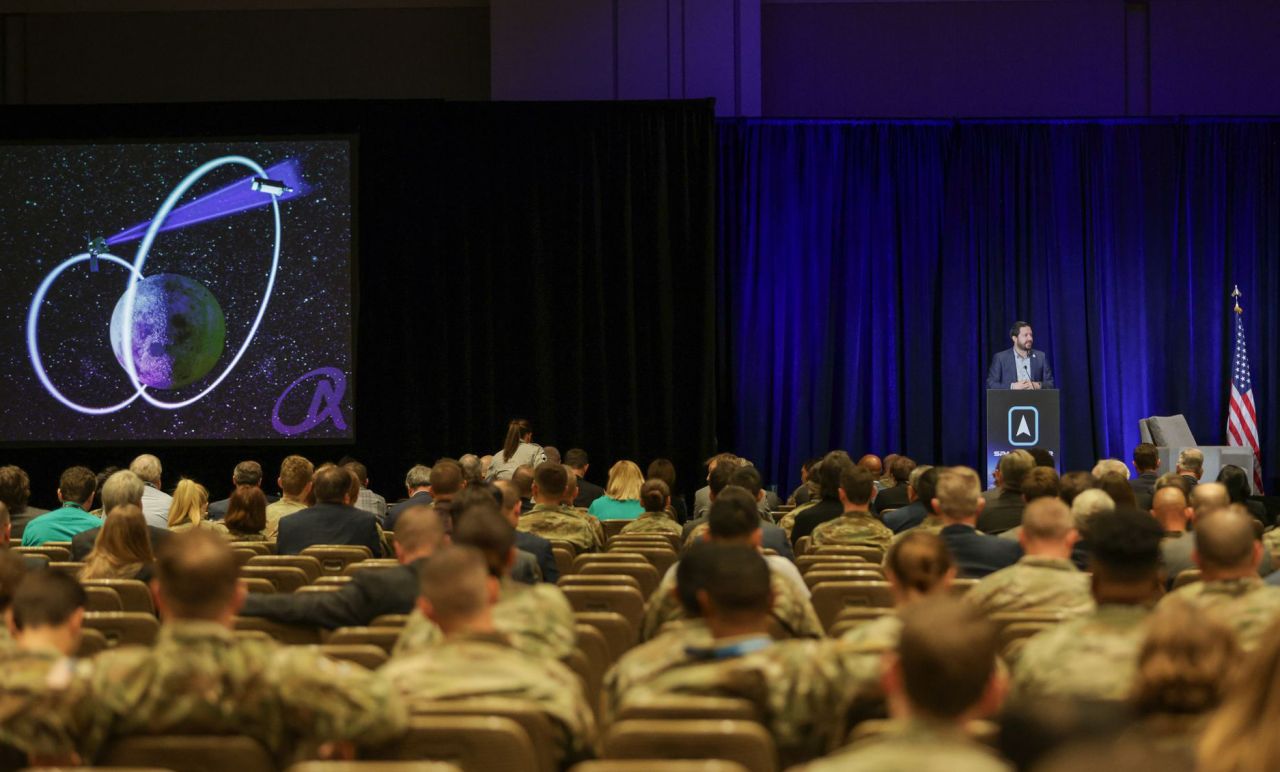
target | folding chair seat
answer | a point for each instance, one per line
(564, 560)
(370, 563)
(626, 601)
(587, 678)
(135, 595)
(190, 753)
(338, 580)
(382, 637)
(614, 527)
(536, 725)
(66, 545)
(318, 588)
(662, 558)
(122, 628)
(291, 634)
(803, 545)
(810, 561)
(374, 766)
(869, 554)
(565, 545)
(671, 540)
(606, 579)
(309, 565)
(618, 633)
(364, 654)
(102, 599)
(830, 598)
(256, 584)
(68, 567)
(488, 743)
(54, 554)
(643, 573)
(91, 642)
(285, 578)
(243, 555)
(390, 620)
(259, 547)
(665, 765)
(680, 707)
(606, 557)
(745, 742)
(334, 558)
(826, 574)
(592, 644)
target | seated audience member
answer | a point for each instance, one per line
(15, 493)
(518, 449)
(525, 569)
(959, 502)
(662, 469)
(417, 484)
(895, 495)
(246, 473)
(472, 469)
(366, 499)
(1112, 466)
(655, 497)
(246, 518)
(917, 567)
(102, 476)
(578, 462)
(920, 488)
(1228, 555)
(476, 659)
(734, 519)
(1146, 463)
(856, 526)
(12, 571)
(828, 506)
(295, 486)
(76, 488)
(282, 696)
(530, 543)
(123, 547)
(1117, 487)
(808, 488)
(878, 469)
(190, 506)
(371, 592)
(155, 502)
(1095, 656)
(1072, 484)
(123, 487)
(1040, 482)
(522, 479)
(1190, 466)
(621, 499)
(1004, 503)
(537, 618)
(942, 676)
(702, 496)
(555, 521)
(742, 474)
(1044, 579)
(332, 520)
(1236, 481)
(1241, 735)
(1179, 551)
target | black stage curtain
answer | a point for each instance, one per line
(548, 261)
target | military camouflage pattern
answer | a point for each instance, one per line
(876, 636)
(1248, 605)
(791, 609)
(33, 687)
(1090, 657)
(853, 529)
(479, 665)
(918, 747)
(564, 524)
(696, 534)
(1271, 540)
(788, 520)
(930, 524)
(653, 522)
(537, 619)
(7, 644)
(1051, 585)
(643, 662)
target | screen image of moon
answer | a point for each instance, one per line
(176, 291)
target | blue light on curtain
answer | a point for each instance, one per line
(868, 271)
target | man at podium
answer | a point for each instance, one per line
(1020, 367)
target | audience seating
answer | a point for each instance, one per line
(564, 560)
(666, 765)
(252, 635)
(470, 742)
(609, 579)
(285, 578)
(592, 644)
(613, 527)
(830, 598)
(363, 654)
(827, 574)
(566, 545)
(292, 634)
(661, 558)
(618, 632)
(671, 540)
(390, 620)
(745, 742)
(54, 554)
(688, 708)
(67, 567)
(258, 547)
(1016, 626)
(244, 555)
(258, 584)
(370, 563)
(336, 580)
(102, 599)
(374, 766)
(537, 727)
(856, 616)
(383, 637)
(807, 562)
(643, 573)
(309, 565)
(626, 601)
(318, 588)
(961, 586)
(985, 732)
(194, 753)
(1185, 577)
(588, 680)
(135, 595)
(124, 627)
(606, 557)
(802, 545)
(334, 558)
(873, 555)
(91, 642)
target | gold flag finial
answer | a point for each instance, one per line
(1235, 293)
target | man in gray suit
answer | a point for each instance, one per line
(1020, 367)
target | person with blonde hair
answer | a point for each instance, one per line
(190, 506)
(621, 499)
(123, 547)
(1240, 736)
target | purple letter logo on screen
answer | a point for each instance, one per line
(330, 386)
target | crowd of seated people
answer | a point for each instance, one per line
(890, 615)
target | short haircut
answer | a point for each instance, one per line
(196, 574)
(332, 485)
(46, 599)
(359, 470)
(552, 453)
(919, 561)
(722, 475)
(1186, 662)
(419, 526)
(522, 478)
(653, 495)
(1047, 519)
(1174, 480)
(576, 458)
(1118, 488)
(748, 478)
(901, 468)
(1072, 484)
(1042, 457)
(509, 492)
(664, 470)
(1191, 459)
(1169, 494)
(736, 578)
(77, 484)
(1090, 504)
(485, 529)
(147, 467)
(1014, 465)
(872, 463)
(947, 653)
(12, 570)
(418, 476)
(858, 484)
(1145, 457)
(829, 471)
(733, 514)
(246, 510)
(472, 468)
(455, 582)
(123, 487)
(445, 477)
(958, 492)
(15, 489)
(247, 473)
(1207, 497)
(1225, 538)
(295, 473)
(486, 495)
(1126, 543)
(551, 479)
(1041, 482)
(1112, 465)
(1016, 328)
(924, 481)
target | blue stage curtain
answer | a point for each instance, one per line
(869, 270)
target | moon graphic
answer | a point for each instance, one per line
(178, 331)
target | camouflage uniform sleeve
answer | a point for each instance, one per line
(661, 608)
(540, 623)
(419, 633)
(43, 710)
(795, 612)
(328, 700)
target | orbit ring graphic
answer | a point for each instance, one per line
(130, 295)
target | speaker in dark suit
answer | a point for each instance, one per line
(1004, 370)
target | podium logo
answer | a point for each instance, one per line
(1024, 426)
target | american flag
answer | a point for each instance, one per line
(1242, 418)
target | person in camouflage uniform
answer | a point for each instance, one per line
(537, 619)
(552, 519)
(735, 520)
(475, 660)
(1044, 579)
(857, 527)
(1094, 656)
(656, 498)
(12, 570)
(1228, 555)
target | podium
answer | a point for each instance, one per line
(1022, 420)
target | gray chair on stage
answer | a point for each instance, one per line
(1171, 435)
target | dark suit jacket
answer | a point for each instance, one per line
(328, 524)
(1004, 371)
(421, 497)
(977, 554)
(18, 523)
(540, 548)
(1002, 512)
(587, 493)
(370, 594)
(906, 517)
(891, 498)
(1144, 486)
(82, 543)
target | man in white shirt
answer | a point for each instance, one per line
(155, 502)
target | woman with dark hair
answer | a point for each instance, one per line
(246, 518)
(122, 549)
(518, 449)
(662, 469)
(1236, 481)
(655, 496)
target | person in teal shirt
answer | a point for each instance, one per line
(621, 499)
(76, 489)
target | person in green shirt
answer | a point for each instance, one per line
(621, 499)
(76, 489)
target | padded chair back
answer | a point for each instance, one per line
(334, 558)
(337, 580)
(852, 618)
(643, 573)
(830, 598)
(91, 642)
(488, 743)
(960, 586)
(828, 574)
(102, 599)
(616, 556)
(565, 545)
(665, 765)
(257, 584)
(135, 595)
(564, 560)
(1170, 431)
(309, 565)
(379, 563)
(661, 558)
(68, 567)
(285, 578)
(803, 545)
(318, 588)
(382, 637)
(626, 601)
(810, 561)
(243, 556)
(53, 553)
(595, 648)
(190, 753)
(1185, 577)
(873, 555)
(606, 579)
(374, 766)
(688, 707)
(291, 634)
(122, 628)
(614, 527)
(540, 730)
(364, 654)
(618, 633)
(258, 547)
(390, 620)
(744, 742)
(1144, 430)
(671, 540)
